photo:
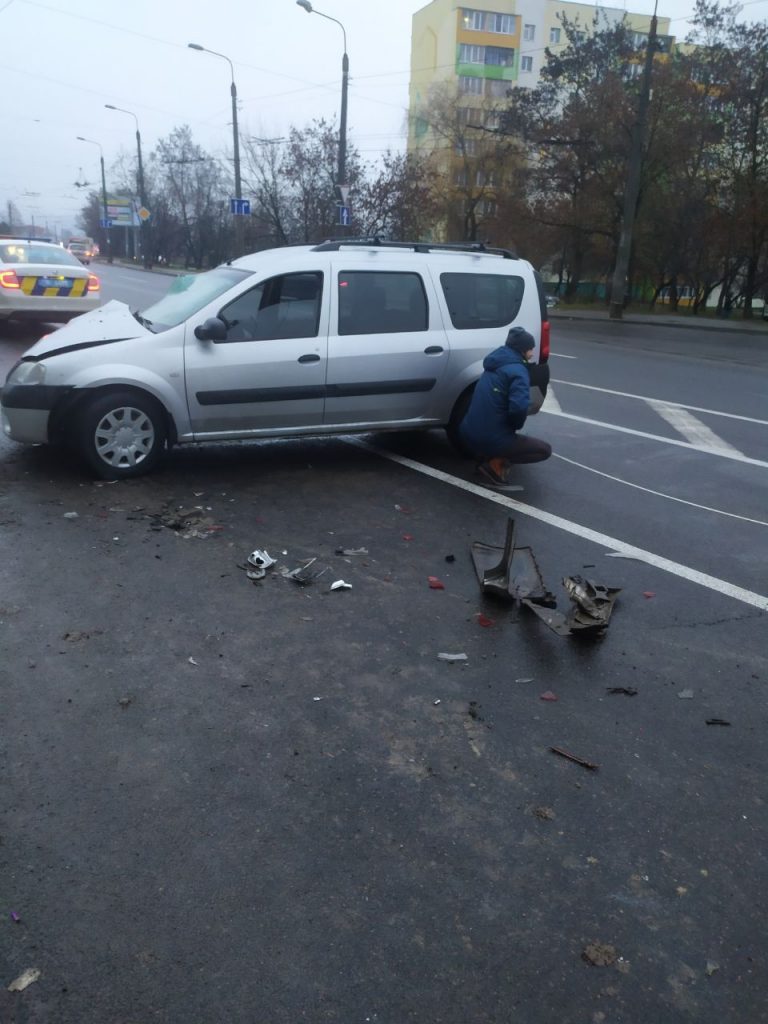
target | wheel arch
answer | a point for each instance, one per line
(66, 412)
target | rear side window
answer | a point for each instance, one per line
(482, 300)
(282, 307)
(386, 302)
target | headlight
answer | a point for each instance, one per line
(27, 372)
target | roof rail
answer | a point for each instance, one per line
(334, 244)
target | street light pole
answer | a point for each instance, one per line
(105, 208)
(144, 226)
(235, 143)
(342, 171)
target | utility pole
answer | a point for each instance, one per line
(619, 284)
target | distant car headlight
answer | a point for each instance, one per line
(27, 372)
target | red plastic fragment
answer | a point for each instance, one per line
(649, 593)
(407, 536)
(483, 620)
(548, 695)
(435, 583)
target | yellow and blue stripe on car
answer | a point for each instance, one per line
(54, 285)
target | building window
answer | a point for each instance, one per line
(554, 35)
(488, 179)
(466, 147)
(467, 83)
(471, 54)
(529, 33)
(474, 19)
(497, 88)
(488, 207)
(503, 23)
(499, 55)
(460, 178)
(526, 63)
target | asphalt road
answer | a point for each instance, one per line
(266, 803)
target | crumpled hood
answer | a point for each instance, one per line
(501, 357)
(111, 322)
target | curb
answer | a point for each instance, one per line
(702, 325)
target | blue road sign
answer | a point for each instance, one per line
(344, 215)
(105, 223)
(240, 207)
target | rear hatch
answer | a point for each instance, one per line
(48, 281)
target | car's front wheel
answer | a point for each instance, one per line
(122, 434)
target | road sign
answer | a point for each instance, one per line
(143, 213)
(344, 215)
(240, 207)
(344, 193)
(121, 211)
(105, 223)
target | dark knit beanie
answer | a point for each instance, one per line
(520, 340)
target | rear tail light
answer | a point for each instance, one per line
(544, 353)
(93, 283)
(8, 279)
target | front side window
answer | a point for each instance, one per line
(381, 302)
(189, 293)
(482, 300)
(282, 307)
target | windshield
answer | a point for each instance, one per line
(29, 252)
(190, 293)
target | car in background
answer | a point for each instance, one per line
(552, 301)
(82, 248)
(42, 281)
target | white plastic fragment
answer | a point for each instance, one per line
(527, 679)
(436, 702)
(341, 585)
(191, 661)
(20, 983)
(260, 559)
(71, 515)
(685, 695)
(451, 657)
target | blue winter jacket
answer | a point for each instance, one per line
(499, 405)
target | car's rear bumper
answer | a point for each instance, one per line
(51, 308)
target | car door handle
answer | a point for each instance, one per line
(312, 357)
(433, 350)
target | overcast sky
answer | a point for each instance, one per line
(62, 60)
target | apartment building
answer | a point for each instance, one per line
(483, 51)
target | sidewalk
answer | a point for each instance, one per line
(756, 327)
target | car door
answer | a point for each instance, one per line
(268, 373)
(387, 349)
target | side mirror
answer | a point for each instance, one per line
(212, 329)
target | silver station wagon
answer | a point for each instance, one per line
(336, 338)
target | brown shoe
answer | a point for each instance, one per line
(495, 471)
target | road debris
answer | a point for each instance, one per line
(15, 917)
(70, 515)
(261, 560)
(435, 583)
(474, 711)
(351, 551)
(525, 679)
(451, 657)
(685, 694)
(544, 813)
(306, 573)
(436, 702)
(484, 620)
(711, 968)
(407, 536)
(191, 661)
(25, 979)
(717, 721)
(124, 702)
(573, 757)
(628, 691)
(598, 954)
(648, 594)
(340, 585)
(185, 522)
(450, 558)
(548, 695)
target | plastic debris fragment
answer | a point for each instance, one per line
(484, 620)
(341, 585)
(649, 593)
(20, 983)
(628, 691)
(261, 561)
(435, 583)
(717, 721)
(71, 515)
(15, 917)
(548, 695)
(685, 695)
(451, 657)
(407, 536)
(351, 551)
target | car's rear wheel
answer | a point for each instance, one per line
(458, 414)
(121, 434)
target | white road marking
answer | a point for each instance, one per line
(645, 398)
(736, 456)
(551, 401)
(561, 355)
(604, 540)
(659, 494)
(691, 427)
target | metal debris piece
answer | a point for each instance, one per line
(685, 695)
(451, 657)
(351, 551)
(508, 571)
(341, 585)
(628, 691)
(594, 602)
(304, 574)
(717, 721)
(577, 760)
(599, 955)
(20, 983)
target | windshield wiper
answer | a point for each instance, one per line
(143, 321)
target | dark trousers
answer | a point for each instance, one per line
(521, 448)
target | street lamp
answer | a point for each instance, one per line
(144, 229)
(105, 223)
(342, 174)
(235, 141)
